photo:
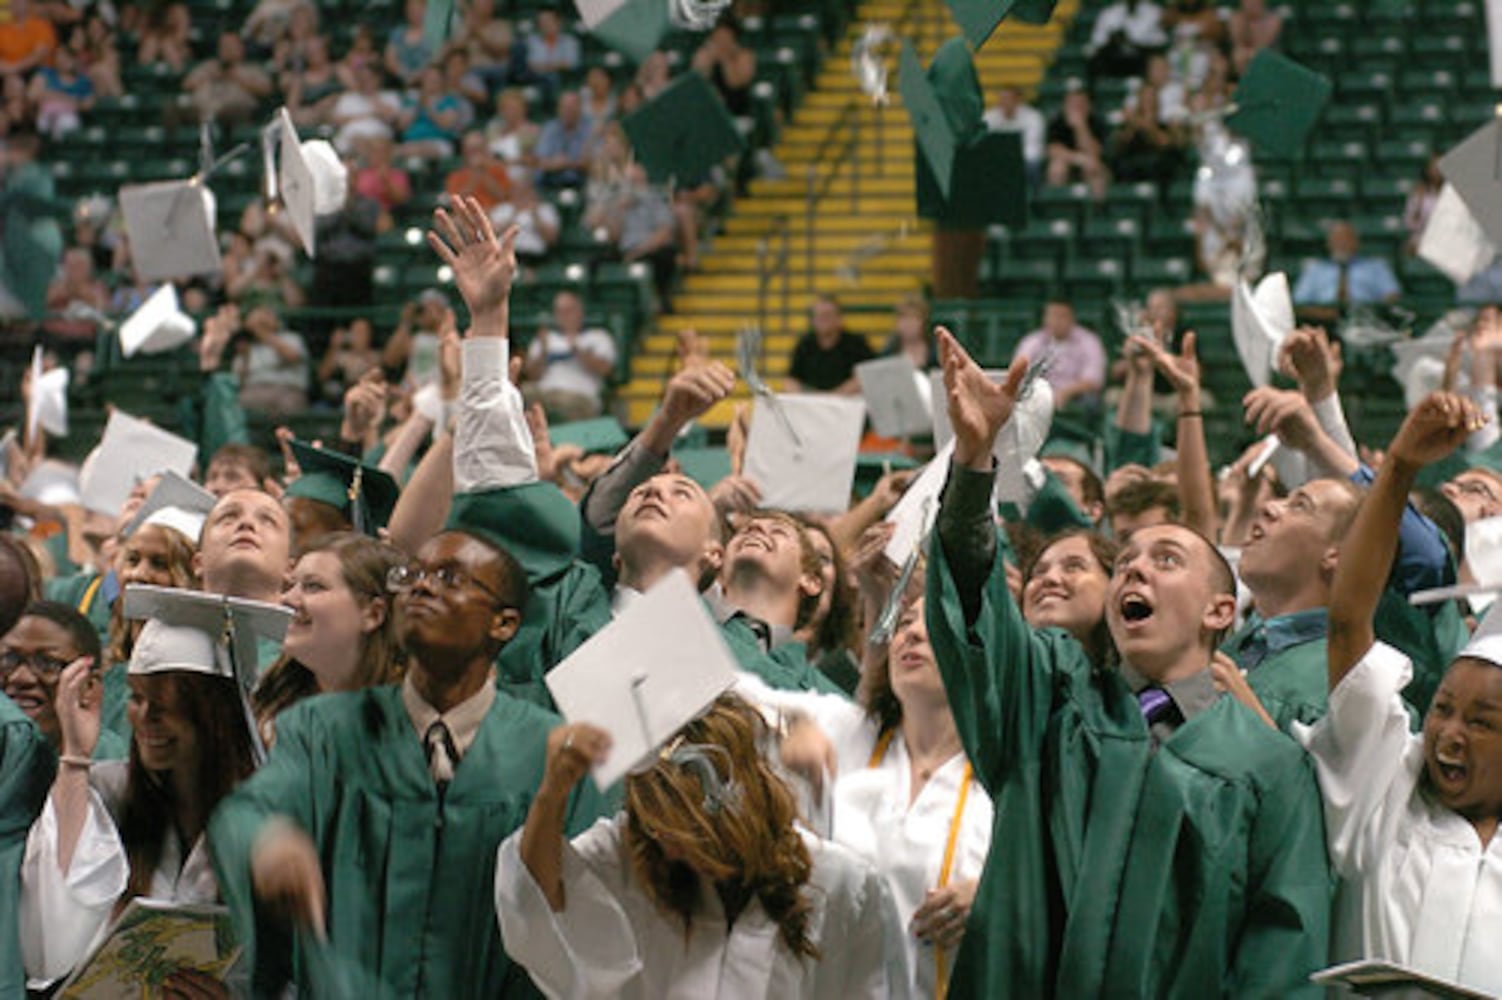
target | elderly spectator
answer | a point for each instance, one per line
(597, 97)
(1011, 113)
(638, 220)
(563, 148)
(271, 362)
(165, 36)
(1076, 141)
(366, 111)
(290, 50)
(567, 365)
(270, 21)
(61, 95)
(260, 274)
(1328, 286)
(76, 285)
(226, 88)
(1076, 357)
(480, 175)
(1252, 28)
(1125, 33)
(408, 50)
(312, 91)
(729, 65)
(538, 220)
(824, 359)
(911, 337)
(551, 50)
(380, 179)
(511, 134)
(1420, 203)
(27, 39)
(431, 118)
(350, 354)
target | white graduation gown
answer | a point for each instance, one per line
(612, 941)
(1417, 885)
(64, 916)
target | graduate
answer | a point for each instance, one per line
(1159, 838)
(1064, 586)
(1411, 817)
(28, 765)
(375, 821)
(703, 887)
(116, 830)
(34, 653)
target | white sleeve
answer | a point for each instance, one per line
(1359, 749)
(492, 443)
(586, 950)
(1331, 417)
(871, 953)
(61, 915)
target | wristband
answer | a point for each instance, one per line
(1191, 413)
(74, 760)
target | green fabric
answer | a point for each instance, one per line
(27, 767)
(705, 466)
(1278, 103)
(56, 545)
(1131, 448)
(220, 419)
(534, 522)
(114, 728)
(842, 669)
(1053, 510)
(785, 668)
(684, 132)
(32, 240)
(71, 590)
(561, 614)
(1292, 684)
(598, 436)
(410, 873)
(634, 28)
(1429, 638)
(1194, 870)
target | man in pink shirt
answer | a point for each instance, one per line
(1076, 357)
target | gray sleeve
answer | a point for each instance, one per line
(968, 533)
(607, 494)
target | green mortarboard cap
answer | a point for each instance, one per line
(534, 523)
(871, 466)
(364, 494)
(600, 436)
(1277, 102)
(934, 135)
(979, 18)
(633, 27)
(705, 466)
(683, 132)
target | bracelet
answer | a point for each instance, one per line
(74, 760)
(1191, 413)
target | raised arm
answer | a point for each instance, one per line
(572, 750)
(1196, 483)
(1433, 429)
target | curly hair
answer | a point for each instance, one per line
(744, 841)
(180, 551)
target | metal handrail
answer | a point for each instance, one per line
(765, 269)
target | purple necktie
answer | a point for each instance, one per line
(1155, 704)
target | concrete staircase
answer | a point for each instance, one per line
(860, 241)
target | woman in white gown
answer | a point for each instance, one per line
(117, 830)
(703, 887)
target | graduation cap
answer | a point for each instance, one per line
(311, 179)
(1474, 167)
(1277, 102)
(1260, 319)
(978, 19)
(705, 466)
(914, 512)
(362, 493)
(129, 451)
(966, 174)
(632, 27)
(1453, 241)
(804, 459)
(897, 395)
(683, 132)
(646, 675)
(48, 407)
(51, 482)
(533, 522)
(178, 503)
(1022, 436)
(170, 225)
(599, 436)
(158, 325)
(201, 633)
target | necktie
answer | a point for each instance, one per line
(1343, 284)
(760, 629)
(1155, 703)
(442, 755)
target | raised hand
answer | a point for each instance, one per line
(1437, 426)
(484, 265)
(978, 407)
(364, 406)
(1182, 370)
(1284, 413)
(695, 389)
(1312, 359)
(572, 750)
(77, 704)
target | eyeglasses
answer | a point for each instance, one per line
(39, 663)
(448, 578)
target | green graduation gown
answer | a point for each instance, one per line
(1194, 870)
(1293, 683)
(27, 767)
(410, 872)
(79, 591)
(785, 668)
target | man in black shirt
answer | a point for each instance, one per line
(824, 359)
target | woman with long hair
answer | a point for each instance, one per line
(702, 886)
(342, 636)
(116, 830)
(1064, 586)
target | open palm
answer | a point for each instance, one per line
(978, 407)
(484, 265)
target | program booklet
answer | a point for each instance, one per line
(150, 941)
(1379, 977)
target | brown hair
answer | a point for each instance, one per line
(837, 629)
(1100, 648)
(252, 459)
(744, 839)
(875, 692)
(212, 704)
(180, 551)
(808, 559)
(363, 565)
(1144, 495)
(20, 580)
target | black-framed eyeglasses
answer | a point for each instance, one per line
(39, 663)
(447, 577)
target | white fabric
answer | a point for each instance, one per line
(262, 365)
(64, 916)
(1331, 417)
(1142, 26)
(361, 117)
(1028, 122)
(612, 941)
(492, 443)
(1417, 885)
(532, 221)
(564, 371)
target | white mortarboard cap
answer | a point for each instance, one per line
(914, 512)
(802, 448)
(897, 394)
(312, 180)
(49, 398)
(201, 633)
(51, 482)
(1486, 643)
(1260, 319)
(178, 503)
(129, 451)
(1419, 362)
(158, 325)
(1453, 241)
(646, 674)
(1472, 168)
(171, 226)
